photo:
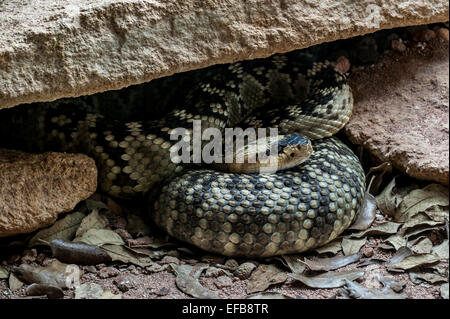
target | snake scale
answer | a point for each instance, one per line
(255, 215)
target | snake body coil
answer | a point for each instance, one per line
(232, 214)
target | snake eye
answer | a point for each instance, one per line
(268, 152)
(292, 154)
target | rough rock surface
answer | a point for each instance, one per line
(69, 48)
(34, 189)
(401, 111)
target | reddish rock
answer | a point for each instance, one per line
(35, 188)
(401, 112)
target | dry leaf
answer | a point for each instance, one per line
(370, 261)
(78, 253)
(387, 228)
(149, 242)
(91, 221)
(397, 241)
(93, 204)
(444, 291)
(391, 283)
(401, 254)
(14, 283)
(56, 274)
(332, 263)
(63, 229)
(121, 253)
(420, 200)
(352, 246)
(100, 237)
(263, 277)
(332, 247)
(389, 199)
(418, 278)
(331, 279)
(4, 273)
(441, 250)
(294, 263)
(361, 292)
(366, 213)
(51, 292)
(422, 246)
(189, 284)
(420, 219)
(414, 261)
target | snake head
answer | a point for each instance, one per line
(293, 149)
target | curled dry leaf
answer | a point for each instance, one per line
(418, 278)
(78, 253)
(387, 228)
(51, 292)
(63, 229)
(294, 263)
(389, 282)
(326, 264)
(401, 254)
(422, 246)
(4, 273)
(418, 220)
(414, 261)
(121, 253)
(100, 237)
(441, 250)
(389, 199)
(331, 279)
(264, 276)
(419, 200)
(397, 241)
(332, 247)
(56, 274)
(187, 281)
(149, 242)
(444, 291)
(269, 295)
(14, 283)
(352, 246)
(92, 221)
(358, 291)
(366, 213)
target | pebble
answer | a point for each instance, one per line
(398, 45)
(223, 281)
(108, 272)
(163, 291)
(442, 34)
(231, 264)
(124, 283)
(90, 268)
(342, 64)
(216, 272)
(169, 260)
(245, 270)
(29, 256)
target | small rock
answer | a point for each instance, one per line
(245, 270)
(153, 268)
(231, 264)
(125, 283)
(108, 272)
(134, 270)
(90, 269)
(163, 291)
(223, 281)
(424, 35)
(169, 260)
(398, 45)
(100, 266)
(442, 34)
(367, 251)
(43, 186)
(342, 64)
(216, 272)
